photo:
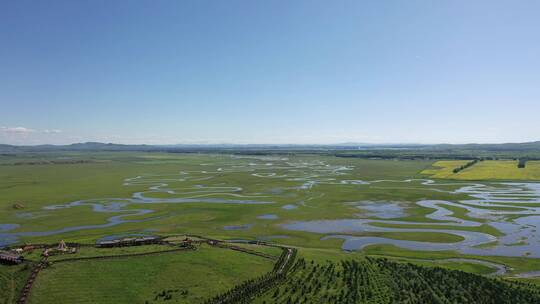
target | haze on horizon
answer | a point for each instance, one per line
(271, 72)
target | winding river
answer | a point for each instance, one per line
(511, 208)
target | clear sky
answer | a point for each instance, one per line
(254, 71)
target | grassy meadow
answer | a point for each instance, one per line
(190, 276)
(30, 183)
(37, 186)
(12, 280)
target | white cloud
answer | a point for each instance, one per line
(16, 130)
(24, 131)
(53, 131)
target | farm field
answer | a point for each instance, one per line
(381, 281)
(485, 170)
(329, 208)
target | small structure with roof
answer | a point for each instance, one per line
(62, 247)
(186, 242)
(10, 258)
(129, 241)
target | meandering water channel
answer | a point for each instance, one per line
(511, 208)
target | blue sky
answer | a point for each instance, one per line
(269, 71)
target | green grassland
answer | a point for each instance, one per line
(12, 280)
(516, 264)
(33, 185)
(202, 273)
(485, 170)
(36, 186)
(86, 252)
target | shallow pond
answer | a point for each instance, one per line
(523, 229)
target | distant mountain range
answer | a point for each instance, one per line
(97, 146)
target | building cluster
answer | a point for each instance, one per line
(130, 241)
(11, 257)
(62, 248)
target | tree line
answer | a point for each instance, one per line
(467, 165)
(248, 290)
(381, 281)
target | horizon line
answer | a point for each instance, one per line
(275, 144)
